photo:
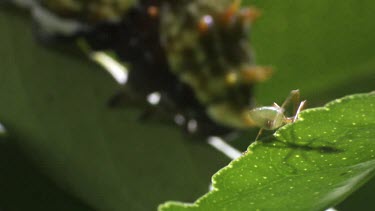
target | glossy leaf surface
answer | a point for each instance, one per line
(312, 164)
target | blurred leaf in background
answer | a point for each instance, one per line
(54, 105)
(23, 187)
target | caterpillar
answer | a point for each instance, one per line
(195, 54)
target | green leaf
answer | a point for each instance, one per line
(312, 164)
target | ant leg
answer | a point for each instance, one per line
(300, 107)
(293, 96)
(259, 133)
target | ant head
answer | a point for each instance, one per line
(268, 117)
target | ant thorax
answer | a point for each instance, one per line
(268, 117)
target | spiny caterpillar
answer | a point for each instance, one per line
(194, 53)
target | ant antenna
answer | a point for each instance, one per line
(293, 96)
(259, 133)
